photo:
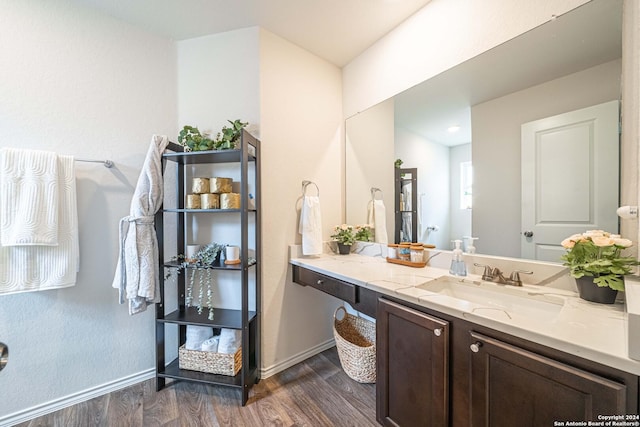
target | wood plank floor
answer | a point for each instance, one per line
(313, 393)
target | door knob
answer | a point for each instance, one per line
(475, 347)
(528, 234)
(4, 355)
(437, 332)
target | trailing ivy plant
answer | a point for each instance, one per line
(199, 267)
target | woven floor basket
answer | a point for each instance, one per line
(208, 361)
(356, 342)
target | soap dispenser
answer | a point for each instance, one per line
(458, 267)
(470, 248)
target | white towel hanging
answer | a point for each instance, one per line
(310, 221)
(40, 267)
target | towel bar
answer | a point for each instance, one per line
(106, 163)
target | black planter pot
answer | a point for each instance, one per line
(344, 249)
(591, 292)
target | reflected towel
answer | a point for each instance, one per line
(28, 197)
(37, 268)
(378, 217)
(311, 226)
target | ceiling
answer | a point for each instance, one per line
(580, 39)
(336, 30)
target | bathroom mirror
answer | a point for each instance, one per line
(470, 180)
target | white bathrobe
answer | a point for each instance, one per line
(137, 272)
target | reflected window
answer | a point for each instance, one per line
(466, 183)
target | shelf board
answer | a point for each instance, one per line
(199, 157)
(173, 371)
(222, 317)
(202, 210)
(218, 265)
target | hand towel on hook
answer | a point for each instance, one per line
(378, 218)
(310, 224)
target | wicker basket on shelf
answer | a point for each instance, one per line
(356, 343)
(210, 362)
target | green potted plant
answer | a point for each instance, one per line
(595, 260)
(345, 237)
(364, 233)
(193, 140)
(228, 137)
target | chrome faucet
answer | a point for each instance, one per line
(495, 275)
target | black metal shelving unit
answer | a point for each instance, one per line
(245, 319)
(403, 177)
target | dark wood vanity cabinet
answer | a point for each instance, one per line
(412, 367)
(434, 369)
(512, 386)
(437, 370)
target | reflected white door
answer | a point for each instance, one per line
(570, 178)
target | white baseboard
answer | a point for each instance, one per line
(300, 357)
(72, 399)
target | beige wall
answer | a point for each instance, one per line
(441, 35)
(302, 139)
(370, 156)
(630, 113)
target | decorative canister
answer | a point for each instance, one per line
(404, 251)
(192, 250)
(392, 251)
(210, 201)
(200, 185)
(220, 185)
(417, 253)
(193, 201)
(230, 201)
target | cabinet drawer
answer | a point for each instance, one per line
(339, 289)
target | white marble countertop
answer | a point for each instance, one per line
(596, 332)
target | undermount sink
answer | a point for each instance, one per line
(487, 296)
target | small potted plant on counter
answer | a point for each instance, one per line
(345, 237)
(364, 233)
(594, 259)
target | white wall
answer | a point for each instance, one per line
(496, 134)
(218, 80)
(441, 35)
(432, 161)
(370, 156)
(83, 84)
(460, 219)
(302, 138)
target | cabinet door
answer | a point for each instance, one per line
(512, 386)
(412, 367)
